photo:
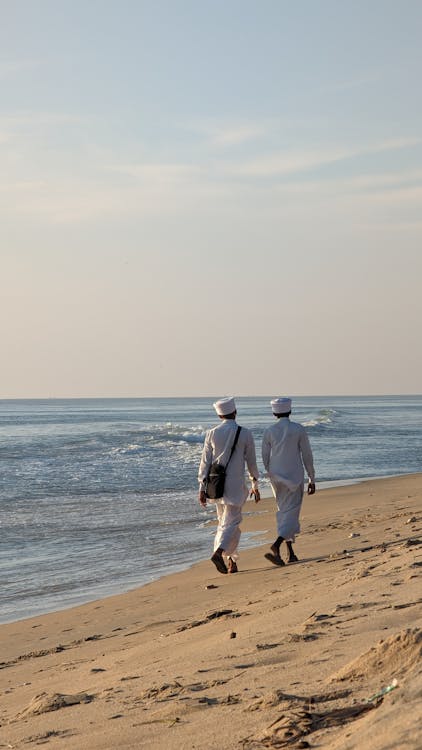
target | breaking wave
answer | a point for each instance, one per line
(324, 416)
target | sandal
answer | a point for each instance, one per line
(219, 563)
(275, 559)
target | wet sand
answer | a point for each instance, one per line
(268, 658)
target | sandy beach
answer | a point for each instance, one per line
(322, 653)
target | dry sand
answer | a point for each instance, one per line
(270, 657)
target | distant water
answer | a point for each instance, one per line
(99, 496)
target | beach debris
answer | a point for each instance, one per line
(211, 586)
(353, 535)
(321, 616)
(295, 723)
(411, 542)
(298, 637)
(310, 622)
(164, 692)
(270, 700)
(169, 722)
(407, 604)
(98, 669)
(233, 634)
(40, 739)
(208, 701)
(230, 699)
(279, 696)
(211, 616)
(335, 556)
(412, 519)
(194, 687)
(383, 692)
(43, 703)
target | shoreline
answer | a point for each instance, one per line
(210, 522)
(194, 656)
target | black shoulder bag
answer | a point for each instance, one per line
(214, 483)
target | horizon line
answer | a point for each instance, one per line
(212, 396)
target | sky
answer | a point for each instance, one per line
(220, 197)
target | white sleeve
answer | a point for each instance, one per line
(306, 451)
(206, 461)
(266, 450)
(250, 456)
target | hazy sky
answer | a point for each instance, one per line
(210, 197)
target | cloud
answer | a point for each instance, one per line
(223, 135)
(162, 190)
(24, 119)
(406, 194)
(156, 173)
(158, 191)
(383, 180)
(285, 163)
(382, 188)
(86, 182)
(236, 135)
(292, 162)
(352, 83)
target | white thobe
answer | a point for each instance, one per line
(217, 447)
(285, 451)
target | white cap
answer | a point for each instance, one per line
(281, 405)
(225, 406)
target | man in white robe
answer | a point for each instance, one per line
(285, 451)
(217, 447)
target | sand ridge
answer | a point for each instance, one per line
(267, 658)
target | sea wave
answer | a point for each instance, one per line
(142, 441)
(127, 450)
(324, 416)
(172, 432)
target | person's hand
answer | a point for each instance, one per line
(202, 498)
(311, 488)
(256, 495)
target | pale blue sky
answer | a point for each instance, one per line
(242, 178)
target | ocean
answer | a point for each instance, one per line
(98, 496)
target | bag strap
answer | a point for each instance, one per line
(234, 444)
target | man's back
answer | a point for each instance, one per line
(217, 447)
(285, 449)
